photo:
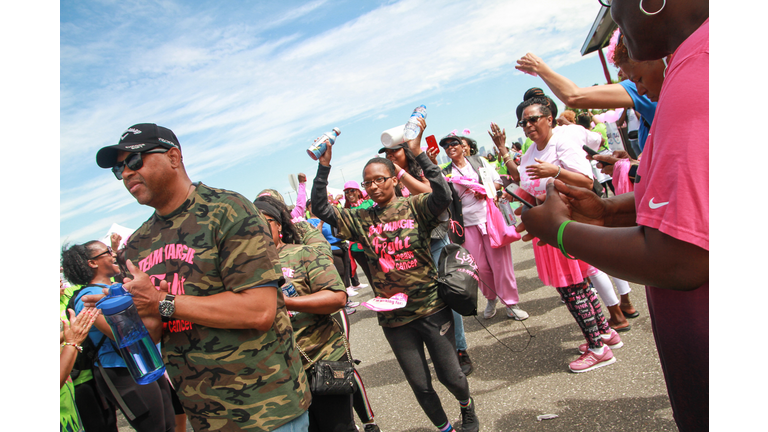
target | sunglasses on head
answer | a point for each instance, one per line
(532, 120)
(134, 162)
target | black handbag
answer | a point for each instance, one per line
(331, 377)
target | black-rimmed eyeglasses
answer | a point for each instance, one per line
(379, 181)
(134, 162)
(606, 3)
(108, 251)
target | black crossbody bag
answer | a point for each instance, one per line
(331, 377)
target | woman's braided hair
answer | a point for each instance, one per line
(74, 262)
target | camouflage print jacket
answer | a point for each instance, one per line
(396, 242)
(217, 241)
(319, 336)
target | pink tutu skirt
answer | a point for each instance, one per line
(558, 271)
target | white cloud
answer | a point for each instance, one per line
(232, 91)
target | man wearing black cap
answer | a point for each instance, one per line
(205, 277)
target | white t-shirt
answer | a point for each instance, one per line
(473, 209)
(563, 150)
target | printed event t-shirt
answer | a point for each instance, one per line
(217, 241)
(310, 272)
(396, 241)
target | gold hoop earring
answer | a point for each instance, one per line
(652, 13)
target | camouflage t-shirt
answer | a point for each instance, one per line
(311, 236)
(396, 241)
(310, 271)
(226, 379)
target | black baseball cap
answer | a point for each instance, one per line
(394, 147)
(446, 139)
(138, 138)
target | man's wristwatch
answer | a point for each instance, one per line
(168, 307)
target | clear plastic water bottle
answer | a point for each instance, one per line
(321, 144)
(140, 354)
(413, 128)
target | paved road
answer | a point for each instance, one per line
(519, 377)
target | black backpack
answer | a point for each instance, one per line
(457, 279)
(86, 359)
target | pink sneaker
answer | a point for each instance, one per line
(613, 341)
(589, 361)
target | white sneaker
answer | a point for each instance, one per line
(357, 287)
(490, 309)
(514, 312)
(351, 292)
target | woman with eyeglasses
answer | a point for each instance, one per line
(412, 181)
(396, 237)
(312, 292)
(495, 265)
(93, 265)
(557, 153)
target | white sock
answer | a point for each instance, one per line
(598, 351)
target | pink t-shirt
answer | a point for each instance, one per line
(673, 192)
(563, 150)
(673, 197)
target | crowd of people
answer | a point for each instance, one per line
(246, 299)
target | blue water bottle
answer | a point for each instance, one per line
(140, 354)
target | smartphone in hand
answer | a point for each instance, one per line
(593, 153)
(432, 143)
(513, 190)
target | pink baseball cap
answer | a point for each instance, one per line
(351, 185)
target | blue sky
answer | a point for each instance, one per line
(247, 86)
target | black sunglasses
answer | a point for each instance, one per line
(134, 162)
(606, 3)
(108, 251)
(450, 144)
(531, 120)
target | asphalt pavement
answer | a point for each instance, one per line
(521, 369)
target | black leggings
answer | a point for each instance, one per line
(362, 262)
(360, 401)
(437, 333)
(341, 262)
(96, 413)
(150, 403)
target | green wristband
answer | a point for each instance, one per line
(560, 239)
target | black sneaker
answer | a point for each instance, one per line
(469, 421)
(373, 427)
(465, 362)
